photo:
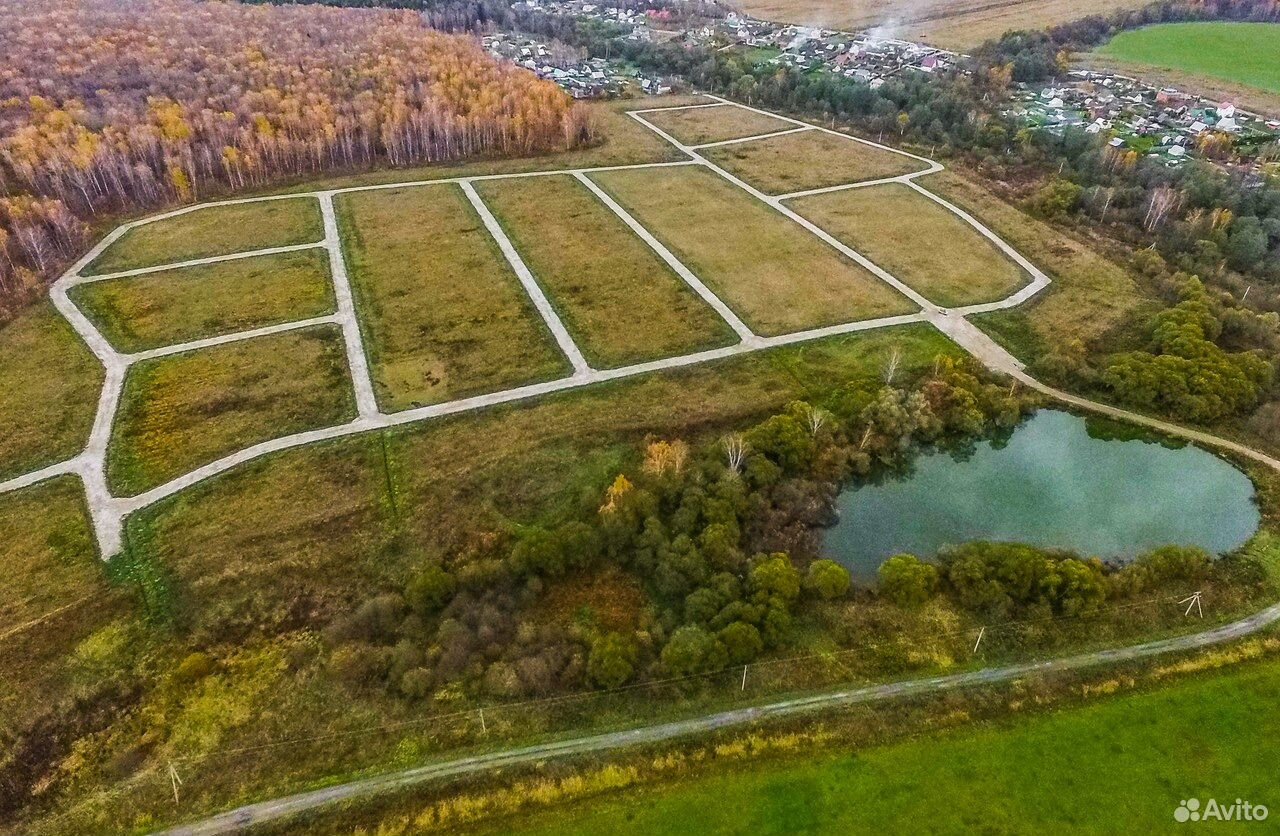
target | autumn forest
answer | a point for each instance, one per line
(114, 106)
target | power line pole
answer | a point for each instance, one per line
(174, 781)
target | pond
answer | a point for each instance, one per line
(1052, 484)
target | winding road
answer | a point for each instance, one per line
(277, 808)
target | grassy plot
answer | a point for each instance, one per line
(809, 160)
(774, 273)
(185, 410)
(216, 230)
(931, 249)
(176, 306)
(1091, 299)
(49, 385)
(444, 316)
(1122, 765)
(55, 593)
(619, 300)
(1244, 53)
(697, 125)
(317, 522)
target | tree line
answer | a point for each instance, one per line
(110, 107)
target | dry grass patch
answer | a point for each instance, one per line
(213, 231)
(185, 410)
(1090, 299)
(774, 273)
(695, 126)
(444, 316)
(622, 303)
(176, 306)
(49, 384)
(931, 249)
(55, 594)
(809, 160)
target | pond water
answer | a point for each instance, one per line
(1051, 484)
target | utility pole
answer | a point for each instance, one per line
(744, 677)
(981, 633)
(174, 781)
(483, 728)
(1193, 603)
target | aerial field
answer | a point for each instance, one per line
(809, 160)
(915, 239)
(443, 313)
(49, 384)
(212, 231)
(773, 273)
(184, 410)
(176, 306)
(952, 24)
(699, 125)
(1199, 738)
(1241, 53)
(619, 300)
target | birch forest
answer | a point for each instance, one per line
(109, 107)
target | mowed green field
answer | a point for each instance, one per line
(443, 314)
(191, 303)
(1119, 766)
(49, 384)
(621, 303)
(809, 160)
(185, 410)
(775, 274)
(696, 125)
(212, 231)
(920, 242)
(1247, 53)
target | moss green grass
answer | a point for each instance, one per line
(1239, 52)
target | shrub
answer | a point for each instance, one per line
(692, 650)
(741, 641)
(907, 581)
(430, 590)
(612, 660)
(828, 579)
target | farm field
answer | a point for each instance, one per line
(1043, 768)
(784, 164)
(773, 273)
(175, 306)
(696, 126)
(952, 24)
(213, 231)
(443, 313)
(184, 410)
(48, 390)
(1239, 53)
(915, 239)
(619, 300)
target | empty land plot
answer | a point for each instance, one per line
(773, 272)
(809, 160)
(213, 231)
(55, 594)
(918, 241)
(696, 125)
(443, 313)
(49, 385)
(185, 410)
(191, 303)
(622, 303)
